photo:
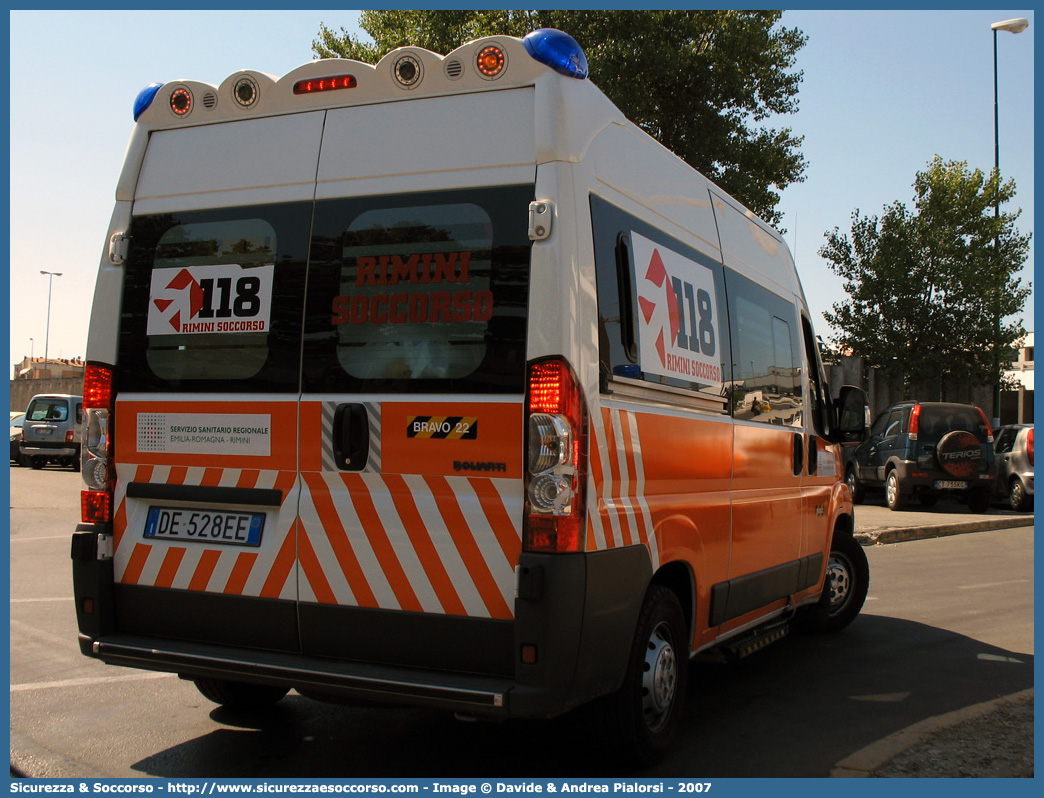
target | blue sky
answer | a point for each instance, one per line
(883, 92)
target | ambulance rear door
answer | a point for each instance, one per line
(207, 379)
(413, 383)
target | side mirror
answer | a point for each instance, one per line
(852, 424)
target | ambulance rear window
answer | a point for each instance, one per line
(213, 300)
(419, 292)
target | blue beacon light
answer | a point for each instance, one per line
(145, 98)
(557, 50)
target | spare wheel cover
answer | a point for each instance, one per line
(959, 453)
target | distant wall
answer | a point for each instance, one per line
(882, 393)
(24, 390)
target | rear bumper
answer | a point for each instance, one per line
(577, 613)
(40, 449)
(484, 695)
(915, 477)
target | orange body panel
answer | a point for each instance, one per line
(452, 439)
(720, 497)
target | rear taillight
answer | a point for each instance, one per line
(96, 448)
(95, 506)
(915, 422)
(1029, 446)
(986, 425)
(556, 450)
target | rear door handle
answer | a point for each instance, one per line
(351, 437)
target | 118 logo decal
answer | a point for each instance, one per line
(677, 328)
(225, 298)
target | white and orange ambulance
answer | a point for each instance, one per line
(440, 382)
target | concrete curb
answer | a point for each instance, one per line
(871, 537)
(865, 761)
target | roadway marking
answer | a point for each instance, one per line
(987, 585)
(33, 600)
(998, 658)
(85, 682)
(47, 537)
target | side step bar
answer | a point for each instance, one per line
(745, 645)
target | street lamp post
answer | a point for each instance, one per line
(1012, 26)
(47, 334)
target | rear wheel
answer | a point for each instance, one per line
(895, 497)
(979, 502)
(854, 485)
(646, 712)
(928, 498)
(845, 589)
(240, 695)
(1017, 496)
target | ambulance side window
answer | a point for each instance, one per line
(662, 313)
(766, 362)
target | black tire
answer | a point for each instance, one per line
(895, 495)
(37, 463)
(646, 712)
(1020, 501)
(854, 485)
(928, 498)
(979, 501)
(844, 590)
(240, 695)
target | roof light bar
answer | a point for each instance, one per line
(557, 50)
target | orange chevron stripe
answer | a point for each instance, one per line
(313, 570)
(282, 566)
(421, 540)
(339, 542)
(614, 477)
(248, 479)
(499, 520)
(212, 477)
(240, 573)
(143, 473)
(136, 565)
(595, 458)
(382, 547)
(632, 476)
(169, 568)
(207, 563)
(285, 484)
(469, 551)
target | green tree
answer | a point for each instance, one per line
(933, 293)
(700, 82)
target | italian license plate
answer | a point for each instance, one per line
(950, 484)
(227, 527)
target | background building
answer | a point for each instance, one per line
(35, 375)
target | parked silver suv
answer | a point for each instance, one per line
(1014, 449)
